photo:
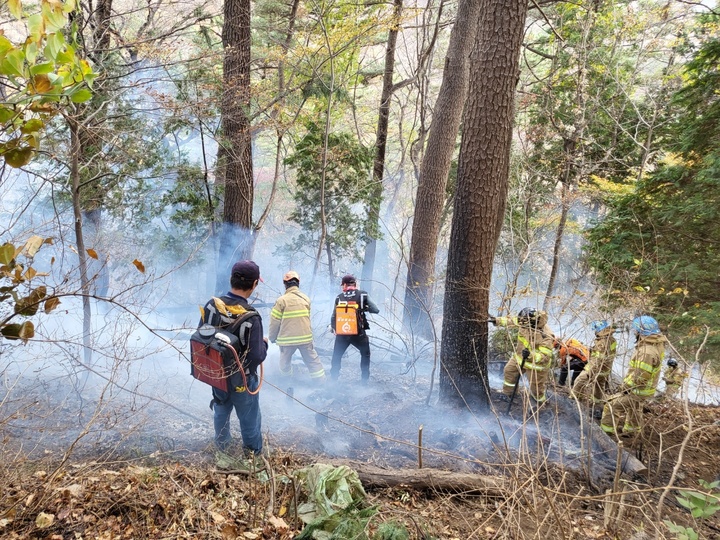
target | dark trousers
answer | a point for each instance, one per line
(362, 344)
(576, 366)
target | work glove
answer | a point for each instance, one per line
(525, 354)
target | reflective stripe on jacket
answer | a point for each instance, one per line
(602, 352)
(290, 319)
(539, 341)
(645, 365)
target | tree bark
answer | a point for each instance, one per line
(427, 479)
(236, 144)
(436, 167)
(482, 185)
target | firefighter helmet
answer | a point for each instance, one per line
(599, 326)
(672, 362)
(645, 325)
(528, 315)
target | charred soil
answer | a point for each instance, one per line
(480, 482)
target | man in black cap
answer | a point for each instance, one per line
(232, 310)
(349, 323)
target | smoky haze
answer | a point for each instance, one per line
(137, 395)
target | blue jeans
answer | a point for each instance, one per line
(247, 408)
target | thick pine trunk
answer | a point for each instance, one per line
(482, 186)
(236, 149)
(435, 168)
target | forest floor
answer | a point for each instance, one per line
(511, 476)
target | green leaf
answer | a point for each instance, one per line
(54, 44)
(54, 16)
(35, 124)
(31, 52)
(7, 253)
(18, 157)
(36, 27)
(13, 64)
(6, 114)
(5, 45)
(42, 69)
(81, 95)
(15, 8)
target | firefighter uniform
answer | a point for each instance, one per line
(290, 328)
(538, 340)
(674, 377)
(592, 382)
(638, 386)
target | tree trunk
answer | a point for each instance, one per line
(236, 143)
(436, 167)
(75, 150)
(482, 185)
(381, 144)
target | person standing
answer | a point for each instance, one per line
(290, 327)
(244, 399)
(592, 382)
(349, 324)
(623, 413)
(533, 354)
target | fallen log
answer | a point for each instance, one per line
(426, 479)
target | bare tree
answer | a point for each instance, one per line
(484, 166)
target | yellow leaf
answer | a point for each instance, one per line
(30, 273)
(51, 303)
(92, 253)
(43, 521)
(18, 157)
(15, 7)
(32, 245)
(41, 84)
(140, 266)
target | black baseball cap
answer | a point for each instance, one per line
(348, 279)
(247, 270)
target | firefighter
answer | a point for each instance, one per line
(290, 328)
(573, 357)
(623, 412)
(352, 330)
(535, 337)
(673, 378)
(592, 382)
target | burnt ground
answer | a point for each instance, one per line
(143, 461)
